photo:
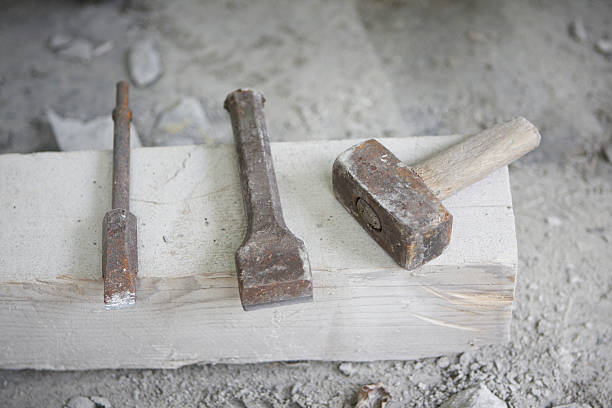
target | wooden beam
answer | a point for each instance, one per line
(189, 208)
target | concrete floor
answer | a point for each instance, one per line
(360, 69)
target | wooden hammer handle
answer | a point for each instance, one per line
(476, 157)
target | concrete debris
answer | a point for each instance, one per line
(443, 362)
(573, 406)
(80, 402)
(101, 402)
(604, 46)
(544, 327)
(144, 63)
(102, 48)
(91, 402)
(184, 123)
(474, 397)
(607, 151)
(347, 369)
(476, 36)
(58, 41)
(465, 359)
(577, 30)
(373, 396)
(554, 221)
(96, 134)
(77, 50)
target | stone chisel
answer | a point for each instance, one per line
(119, 242)
(272, 263)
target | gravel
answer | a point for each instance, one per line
(474, 397)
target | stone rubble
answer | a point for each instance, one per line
(77, 49)
(101, 402)
(144, 63)
(91, 402)
(58, 41)
(577, 30)
(347, 369)
(475, 397)
(96, 134)
(80, 402)
(604, 46)
(181, 124)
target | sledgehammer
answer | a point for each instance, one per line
(401, 207)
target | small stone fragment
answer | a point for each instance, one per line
(554, 221)
(476, 36)
(577, 30)
(573, 405)
(80, 402)
(77, 50)
(474, 397)
(443, 362)
(347, 369)
(102, 48)
(603, 46)
(144, 63)
(58, 41)
(96, 134)
(101, 402)
(607, 151)
(465, 358)
(181, 124)
(372, 395)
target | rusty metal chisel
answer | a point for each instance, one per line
(272, 263)
(119, 242)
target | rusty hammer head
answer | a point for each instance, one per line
(400, 206)
(392, 203)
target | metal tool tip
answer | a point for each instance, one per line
(120, 300)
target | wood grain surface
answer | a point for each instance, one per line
(190, 221)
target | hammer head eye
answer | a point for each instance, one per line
(367, 214)
(392, 203)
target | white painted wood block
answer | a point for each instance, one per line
(190, 219)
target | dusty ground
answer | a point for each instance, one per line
(353, 69)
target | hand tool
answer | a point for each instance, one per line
(401, 207)
(119, 243)
(271, 262)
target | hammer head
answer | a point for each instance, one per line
(392, 203)
(119, 259)
(273, 268)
